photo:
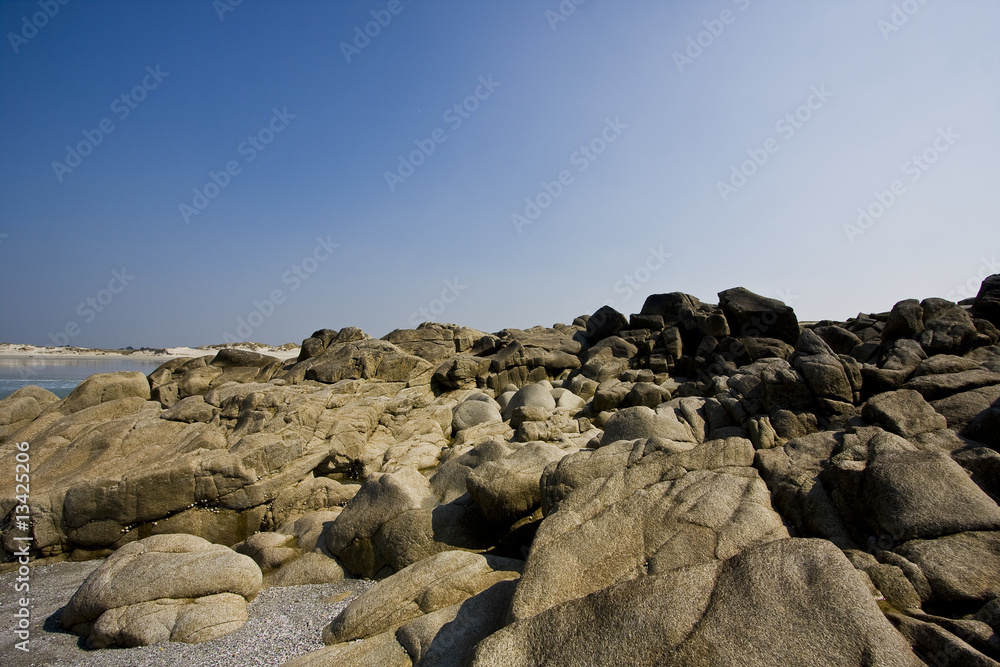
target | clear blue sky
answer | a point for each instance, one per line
(651, 205)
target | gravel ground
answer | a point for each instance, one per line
(284, 623)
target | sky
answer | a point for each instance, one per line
(192, 172)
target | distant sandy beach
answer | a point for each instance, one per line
(16, 351)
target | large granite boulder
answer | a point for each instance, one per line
(164, 588)
(662, 512)
(987, 303)
(508, 488)
(752, 315)
(789, 602)
(434, 583)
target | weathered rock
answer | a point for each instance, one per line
(166, 587)
(434, 583)
(309, 568)
(765, 348)
(577, 469)
(449, 481)
(934, 387)
(961, 408)
(753, 315)
(472, 413)
(269, 550)
(103, 388)
(367, 359)
(642, 422)
(948, 329)
(536, 395)
(434, 342)
(382, 650)
(688, 317)
(355, 535)
(914, 494)
(610, 394)
(664, 512)
(906, 320)
(987, 303)
(189, 410)
(899, 359)
(962, 568)
(567, 399)
(645, 393)
(463, 371)
(697, 615)
(309, 495)
(840, 340)
(904, 412)
(606, 321)
(22, 407)
(938, 645)
(826, 377)
(894, 586)
(792, 474)
(508, 488)
(784, 388)
(448, 637)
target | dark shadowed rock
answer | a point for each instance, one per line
(985, 427)
(508, 488)
(229, 357)
(434, 583)
(948, 329)
(961, 568)
(448, 637)
(923, 494)
(906, 320)
(606, 321)
(753, 315)
(987, 303)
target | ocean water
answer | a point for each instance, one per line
(61, 376)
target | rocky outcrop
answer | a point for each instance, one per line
(658, 479)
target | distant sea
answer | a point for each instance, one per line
(60, 376)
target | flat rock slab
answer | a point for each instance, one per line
(790, 602)
(961, 568)
(904, 412)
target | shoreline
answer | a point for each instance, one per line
(9, 352)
